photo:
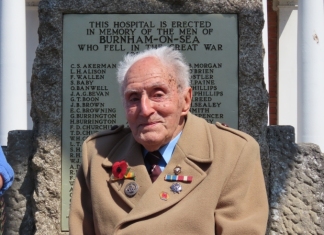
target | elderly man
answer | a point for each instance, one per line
(170, 172)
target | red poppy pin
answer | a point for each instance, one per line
(120, 170)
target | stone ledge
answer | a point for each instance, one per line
(296, 184)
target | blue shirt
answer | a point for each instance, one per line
(166, 151)
(6, 171)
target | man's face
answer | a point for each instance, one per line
(155, 108)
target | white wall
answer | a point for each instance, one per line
(287, 64)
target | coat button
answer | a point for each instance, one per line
(131, 189)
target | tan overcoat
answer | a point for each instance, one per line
(227, 194)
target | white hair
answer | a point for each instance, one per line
(168, 56)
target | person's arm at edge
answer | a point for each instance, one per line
(6, 173)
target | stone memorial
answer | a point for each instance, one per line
(93, 44)
(74, 92)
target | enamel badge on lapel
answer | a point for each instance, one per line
(164, 196)
(176, 188)
(177, 170)
(131, 189)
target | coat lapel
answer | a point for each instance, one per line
(188, 156)
(131, 152)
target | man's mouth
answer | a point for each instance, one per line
(148, 124)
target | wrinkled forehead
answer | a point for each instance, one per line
(148, 70)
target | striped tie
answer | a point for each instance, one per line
(153, 158)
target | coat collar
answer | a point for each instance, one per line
(193, 148)
(196, 141)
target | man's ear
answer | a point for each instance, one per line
(187, 94)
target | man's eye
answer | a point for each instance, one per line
(133, 99)
(158, 94)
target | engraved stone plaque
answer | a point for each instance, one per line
(93, 44)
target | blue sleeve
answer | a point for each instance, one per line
(6, 171)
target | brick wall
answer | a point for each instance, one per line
(273, 61)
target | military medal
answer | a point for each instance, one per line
(182, 178)
(176, 188)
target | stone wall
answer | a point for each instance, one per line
(296, 185)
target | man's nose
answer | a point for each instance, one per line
(146, 106)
